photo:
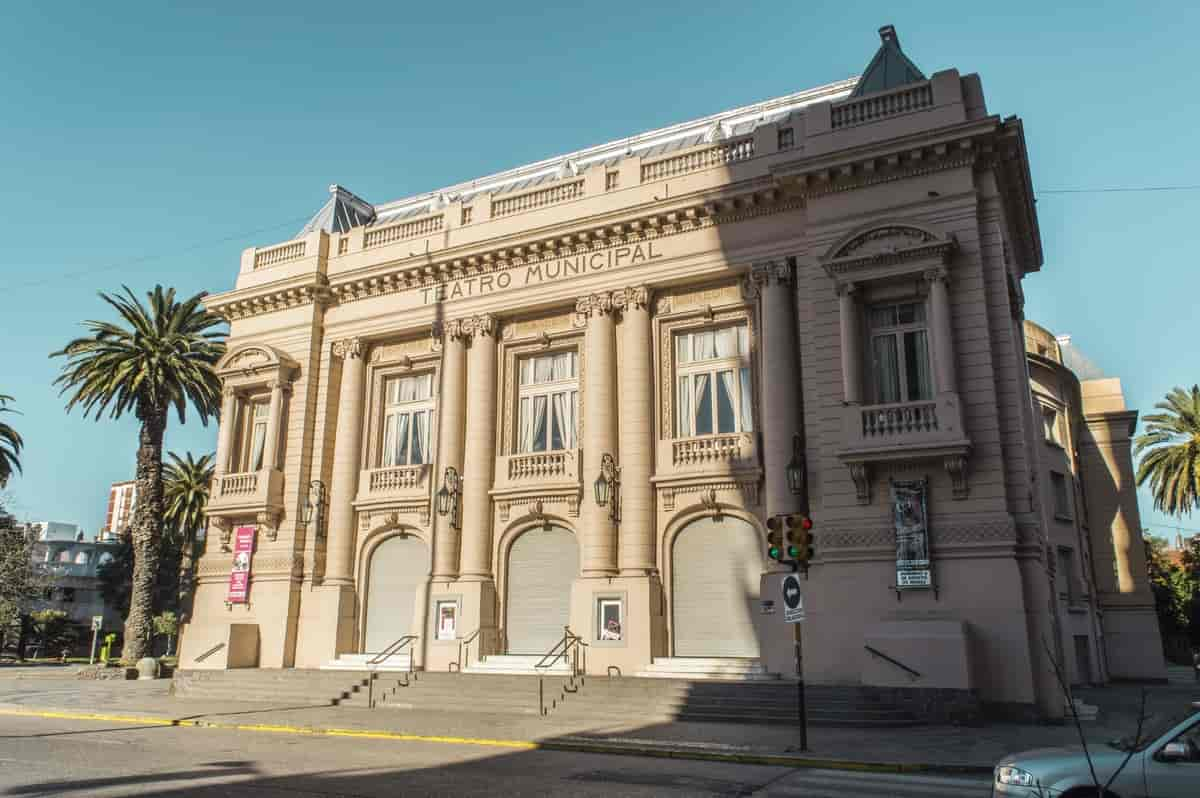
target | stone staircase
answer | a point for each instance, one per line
(504, 689)
(281, 687)
(729, 668)
(517, 664)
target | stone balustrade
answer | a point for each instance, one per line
(247, 492)
(272, 256)
(723, 153)
(391, 484)
(379, 236)
(537, 468)
(903, 429)
(532, 200)
(874, 107)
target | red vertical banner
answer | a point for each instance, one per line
(243, 552)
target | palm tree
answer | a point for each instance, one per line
(10, 444)
(162, 357)
(1171, 444)
(185, 492)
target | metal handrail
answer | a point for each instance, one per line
(897, 663)
(571, 645)
(465, 641)
(210, 652)
(393, 649)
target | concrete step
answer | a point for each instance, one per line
(525, 664)
(731, 668)
(367, 662)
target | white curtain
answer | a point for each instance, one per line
(743, 335)
(887, 376)
(527, 371)
(704, 345)
(564, 421)
(683, 348)
(389, 440)
(726, 420)
(543, 369)
(564, 366)
(727, 342)
(683, 412)
(917, 357)
(526, 425)
(420, 447)
(746, 401)
(539, 424)
(256, 447)
(401, 457)
(703, 405)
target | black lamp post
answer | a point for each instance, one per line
(796, 470)
(314, 506)
(608, 487)
(447, 496)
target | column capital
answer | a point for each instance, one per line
(228, 392)
(348, 348)
(767, 273)
(632, 297)
(846, 289)
(936, 274)
(482, 325)
(281, 385)
(592, 305)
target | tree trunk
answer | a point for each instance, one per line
(147, 537)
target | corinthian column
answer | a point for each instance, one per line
(274, 425)
(451, 414)
(228, 424)
(943, 335)
(347, 454)
(480, 452)
(780, 394)
(851, 344)
(636, 381)
(598, 552)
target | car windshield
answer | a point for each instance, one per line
(1153, 727)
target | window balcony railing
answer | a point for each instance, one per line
(391, 484)
(903, 429)
(724, 453)
(538, 468)
(247, 492)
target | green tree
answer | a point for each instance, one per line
(1170, 452)
(10, 444)
(22, 581)
(116, 576)
(167, 623)
(185, 493)
(161, 357)
(55, 632)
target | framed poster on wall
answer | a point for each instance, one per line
(911, 522)
(239, 575)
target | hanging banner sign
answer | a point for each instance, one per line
(239, 577)
(912, 534)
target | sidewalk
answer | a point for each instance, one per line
(936, 748)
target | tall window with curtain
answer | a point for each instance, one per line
(713, 392)
(253, 434)
(407, 420)
(548, 402)
(900, 353)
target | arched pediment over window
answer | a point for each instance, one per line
(255, 359)
(885, 248)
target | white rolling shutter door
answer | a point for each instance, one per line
(398, 567)
(542, 563)
(715, 569)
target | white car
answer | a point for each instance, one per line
(1163, 762)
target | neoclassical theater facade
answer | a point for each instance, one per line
(426, 400)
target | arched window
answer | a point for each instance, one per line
(81, 558)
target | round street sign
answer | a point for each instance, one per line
(791, 591)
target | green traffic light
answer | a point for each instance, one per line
(773, 552)
(793, 552)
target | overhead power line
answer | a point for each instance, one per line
(1115, 189)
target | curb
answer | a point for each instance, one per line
(576, 746)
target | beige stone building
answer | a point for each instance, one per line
(830, 280)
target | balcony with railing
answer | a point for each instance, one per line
(246, 493)
(538, 469)
(393, 485)
(708, 455)
(904, 430)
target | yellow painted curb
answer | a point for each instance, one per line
(577, 746)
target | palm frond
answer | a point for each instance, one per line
(1169, 449)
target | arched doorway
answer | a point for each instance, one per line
(715, 571)
(399, 569)
(542, 563)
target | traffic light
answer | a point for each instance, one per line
(799, 538)
(775, 538)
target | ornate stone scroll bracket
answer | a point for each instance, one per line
(225, 530)
(708, 500)
(956, 468)
(537, 513)
(268, 522)
(861, 474)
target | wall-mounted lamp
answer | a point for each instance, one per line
(314, 507)
(797, 472)
(448, 496)
(608, 487)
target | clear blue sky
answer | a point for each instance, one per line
(141, 143)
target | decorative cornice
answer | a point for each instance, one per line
(294, 292)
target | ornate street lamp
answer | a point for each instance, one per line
(796, 470)
(447, 496)
(608, 487)
(314, 506)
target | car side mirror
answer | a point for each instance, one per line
(1175, 752)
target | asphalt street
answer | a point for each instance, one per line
(51, 757)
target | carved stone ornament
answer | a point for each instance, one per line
(663, 305)
(594, 305)
(708, 500)
(537, 513)
(861, 474)
(771, 273)
(225, 528)
(956, 467)
(268, 523)
(482, 325)
(348, 348)
(885, 240)
(631, 297)
(888, 249)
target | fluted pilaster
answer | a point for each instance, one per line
(480, 448)
(451, 442)
(347, 452)
(636, 436)
(228, 424)
(780, 394)
(598, 550)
